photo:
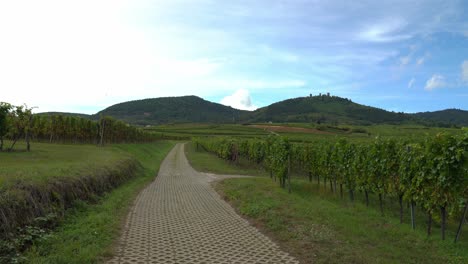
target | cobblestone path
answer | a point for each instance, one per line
(179, 218)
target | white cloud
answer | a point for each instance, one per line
(389, 30)
(411, 83)
(64, 55)
(405, 60)
(420, 61)
(57, 53)
(53, 58)
(423, 59)
(464, 69)
(436, 81)
(240, 100)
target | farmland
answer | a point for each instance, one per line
(232, 132)
(338, 186)
(302, 132)
(334, 229)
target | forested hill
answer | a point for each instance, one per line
(65, 114)
(184, 109)
(445, 117)
(310, 109)
(326, 109)
(192, 109)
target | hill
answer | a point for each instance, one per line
(311, 109)
(184, 109)
(326, 109)
(445, 117)
(65, 114)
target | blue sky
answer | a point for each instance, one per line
(406, 56)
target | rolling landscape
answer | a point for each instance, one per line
(222, 132)
(311, 109)
(317, 148)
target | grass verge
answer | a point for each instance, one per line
(318, 227)
(89, 230)
(49, 161)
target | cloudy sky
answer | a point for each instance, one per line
(82, 56)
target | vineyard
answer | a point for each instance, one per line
(431, 174)
(18, 122)
(42, 183)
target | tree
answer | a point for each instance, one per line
(4, 110)
(21, 117)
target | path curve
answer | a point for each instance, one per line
(179, 218)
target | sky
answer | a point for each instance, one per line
(83, 56)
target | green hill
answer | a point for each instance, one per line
(311, 109)
(184, 109)
(445, 117)
(65, 114)
(325, 109)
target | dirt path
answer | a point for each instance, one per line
(179, 218)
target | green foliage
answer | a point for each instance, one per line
(318, 227)
(445, 118)
(4, 110)
(37, 231)
(185, 109)
(446, 168)
(17, 122)
(274, 153)
(72, 129)
(433, 173)
(325, 109)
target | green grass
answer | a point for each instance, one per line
(47, 161)
(89, 230)
(317, 226)
(207, 162)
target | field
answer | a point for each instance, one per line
(85, 232)
(303, 132)
(193, 130)
(48, 161)
(65, 203)
(318, 226)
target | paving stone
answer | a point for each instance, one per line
(179, 218)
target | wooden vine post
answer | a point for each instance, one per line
(462, 221)
(289, 172)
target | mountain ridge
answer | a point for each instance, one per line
(316, 109)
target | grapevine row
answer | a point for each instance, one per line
(18, 122)
(432, 174)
